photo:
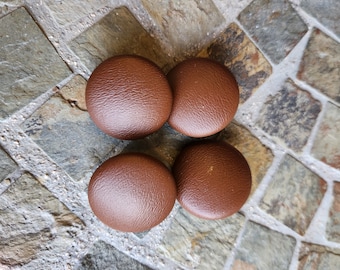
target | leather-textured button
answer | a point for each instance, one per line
(132, 192)
(128, 97)
(213, 179)
(206, 97)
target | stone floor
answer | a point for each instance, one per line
(286, 58)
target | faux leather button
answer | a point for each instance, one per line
(206, 97)
(213, 179)
(132, 192)
(128, 97)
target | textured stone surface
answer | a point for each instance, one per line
(74, 92)
(258, 156)
(29, 64)
(274, 25)
(117, 33)
(39, 232)
(66, 12)
(327, 142)
(315, 257)
(7, 164)
(165, 144)
(333, 225)
(33, 221)
(326, 11)
(320, 65)
(186, 24)
(7, 6)
(263, 249)
(104, 256)
(289, 115)
(198, 243)
(67, 134)
(235, 50)
(294, 195)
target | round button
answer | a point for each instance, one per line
(132, 192)
(128, 97)
(213, 179)
(206, 97)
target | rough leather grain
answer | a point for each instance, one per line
(132, 192)
(206, 97)
(213, 179)
(128, 97)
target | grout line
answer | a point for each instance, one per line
(294, 263)
(255, 199)
(318, 224)
(18, 117)
(57, 181)
(231, 258)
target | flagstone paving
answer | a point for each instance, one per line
(285, 57)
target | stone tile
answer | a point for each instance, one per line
(289, 116)
(274, 25)
(235, 50)
(117, 33)
(315, 257)
(294, 195)
(165, 144)
(326, 12)
(327, 142)
(188, 25)
(259, 157)
(105, 256)
(7, 6)
(262, 248)
(74, 92)
(67, 134)
(198, 243)
(320, 65)
(33, 221)
(29, 64)
(333, 225)
(7, 164)
(66, 12)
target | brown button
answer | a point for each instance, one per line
(128, 97)
(213, 179)
(132, 192)
(206, 97)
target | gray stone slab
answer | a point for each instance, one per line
(165, 144)
(320, 65)
(187, 24)
(234, 49)
(198, 243)
(258, 156)
(326, 145)
(117, 33)
(104, 256)
(29, 64)
(325, 11)
(66, 12)
(33, 221)
(67, 134)
(274, 25)
(289, 116)
(262, 248)
(7, 164)
(294, 195)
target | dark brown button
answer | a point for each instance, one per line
(213, 179)
(132, 192)
(128, 97)
(206, 97)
